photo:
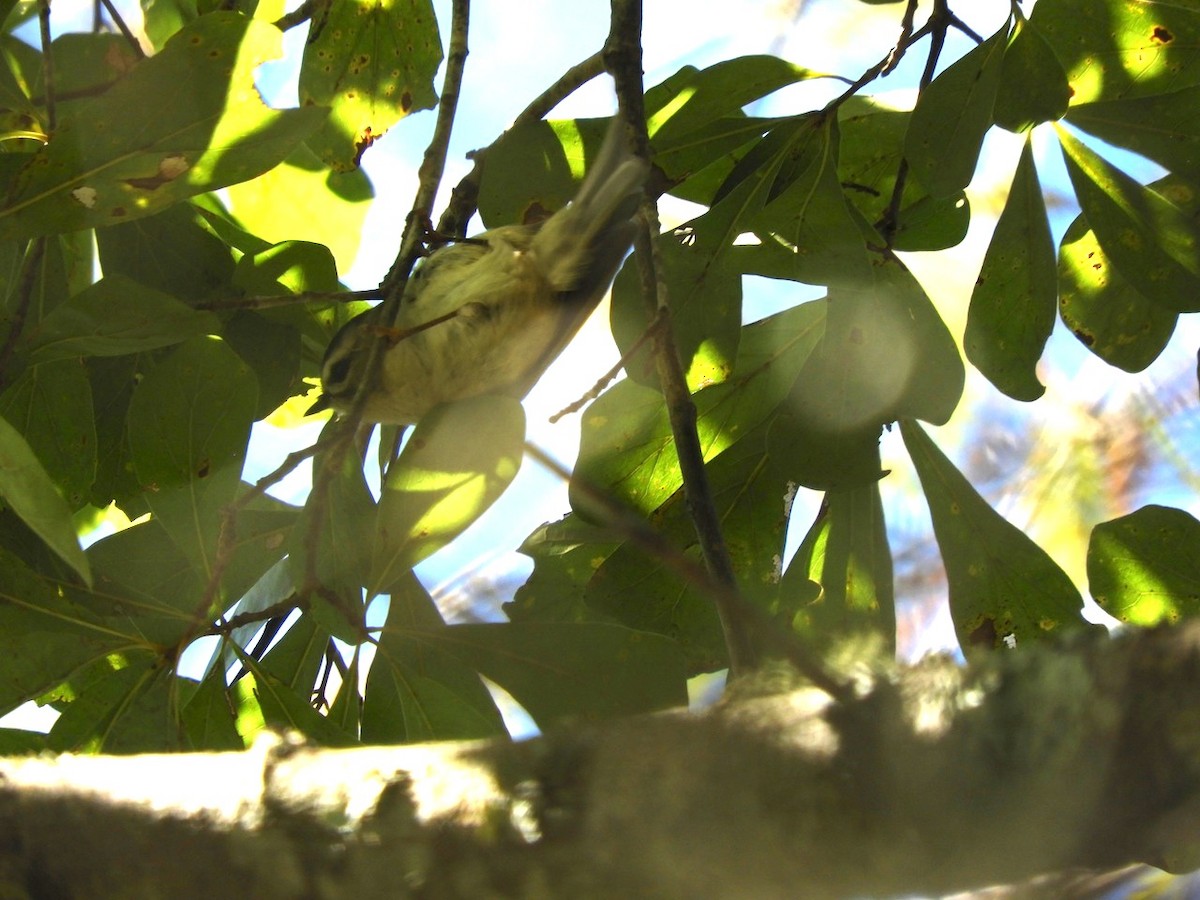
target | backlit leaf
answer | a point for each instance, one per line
(1003, 586)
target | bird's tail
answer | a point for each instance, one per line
(581, 246)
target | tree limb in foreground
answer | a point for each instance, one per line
(937, 778)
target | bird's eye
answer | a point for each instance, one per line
(337, 374)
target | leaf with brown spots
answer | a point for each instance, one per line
(132, 151)
(372, 63)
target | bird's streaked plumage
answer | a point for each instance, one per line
(511, 299)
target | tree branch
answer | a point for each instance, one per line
(411, 244)
(465, 196)
(937, 778)
(623, 56)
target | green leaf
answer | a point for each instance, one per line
(372, 63)
(174, 252)
(44, 637)
(1151, 241)
(693, 98)
(113, 380)
(30, 493)
(1164, 127)
(1103, 310)
(114, 317)
(144, 582)
(1122, 48)
(121, 704)
(346, 710)
(296, 658)
(189, 421)
(283, 708)
(565, 555)
(458, 461)
(51, 405)
(531, 170)
(1002, 584)
(627, 446)
(846, 552)
(416, 690)
(1033, 86)
(750, 489)
(207, 718)
(17, 742)
(885, 354)
(300, 198)
(699, 164)
(1012, 307)
(108, 162)
(273, 350)
(557, 671)
(872, 147)
(88, 64)
(808, 211)
(344, 534)
(1143, 568)
(706, 309)
(288, 267)
(951, 117)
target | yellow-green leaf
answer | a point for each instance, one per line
(457, 462)
(108, 161)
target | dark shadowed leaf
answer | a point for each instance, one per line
(114, 317)
(558, 671)
(1002, 584)
(120, 704)
(1012, 306)
(416, 690)
(51, 405)
(951, 117)
(28, 490)
(1164, 127)
(1033, 86)
(189, 422)
(208, 720)
(871, 148)
(846, 553)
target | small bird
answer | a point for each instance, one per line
(488, 315)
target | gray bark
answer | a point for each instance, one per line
(936, 778)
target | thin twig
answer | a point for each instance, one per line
(623, 56)
(411, 246)
(226, 627)
(226, 539)
(297, 16)
(275, 300)
(902, 43)
(47, 64)
(24, 298)
(598, 388)
(939, 23)
(465, 196)
(123, 28)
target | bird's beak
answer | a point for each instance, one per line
(320, 405)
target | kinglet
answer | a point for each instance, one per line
(488, 315)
